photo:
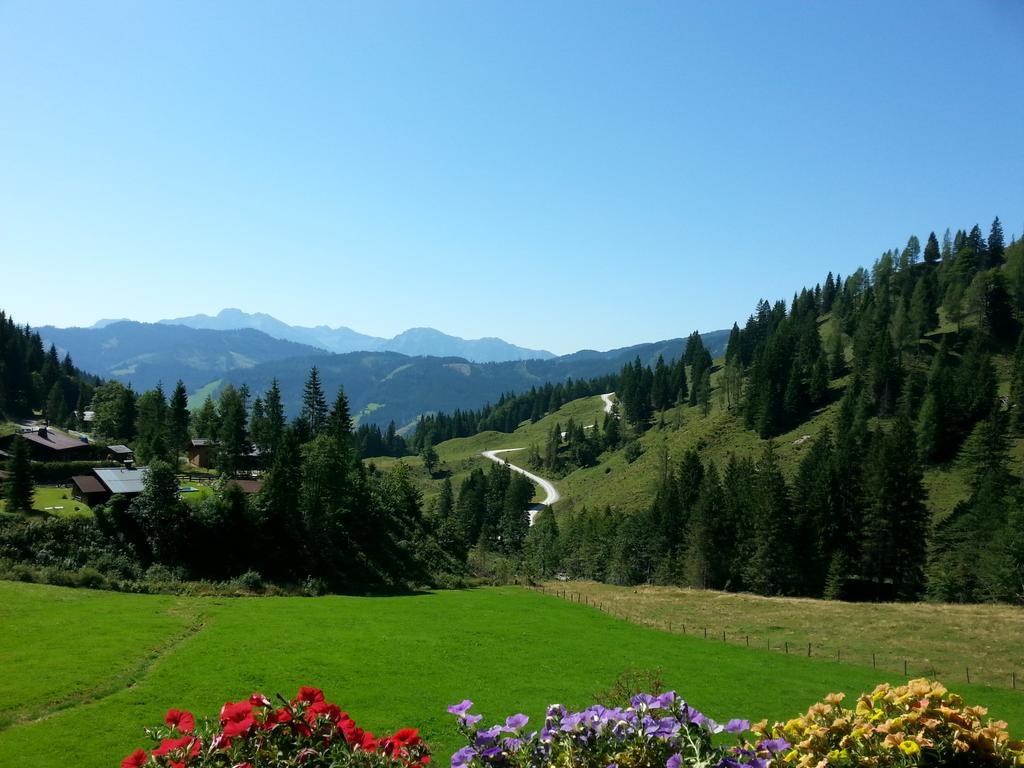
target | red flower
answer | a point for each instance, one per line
(277, 717)
(325, 709)
(173, 745)
(180, 719)
(259, 700)
(242, 765)
(309, 695)
(135, 760)
(237, 719)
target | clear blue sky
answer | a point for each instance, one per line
(563, 175)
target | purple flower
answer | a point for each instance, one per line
(774, 745)
(736, 726)
(515, 722)
(490, 754)
(642, 700)
(471, 719)
(512, 745)
(487, 735)
(460, 709)
(665, 701)
(463, 757)
(674, 761)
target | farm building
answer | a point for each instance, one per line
(89, 489)
(103, 483)
(200, 452)
(121, 453)
(49, 444)
(248, 486)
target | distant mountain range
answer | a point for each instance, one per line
(382, 385)
(147, 353)
(387, 386)
(415, 341)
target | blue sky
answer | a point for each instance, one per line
(562, 175)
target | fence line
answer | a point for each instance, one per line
(785, 647)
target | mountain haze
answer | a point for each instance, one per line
(147, 353)
(415, 341)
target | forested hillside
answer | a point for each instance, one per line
(33, 378)
(862, 441)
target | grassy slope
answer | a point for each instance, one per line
(616, 483)
(389, 661)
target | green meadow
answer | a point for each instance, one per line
(83, 672)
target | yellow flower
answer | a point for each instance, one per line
(908, 747)
(791, 756)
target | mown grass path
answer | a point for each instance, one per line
(390, 661)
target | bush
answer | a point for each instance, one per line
(307, 731)
(52, 472)
(633, 450)
(920, 723)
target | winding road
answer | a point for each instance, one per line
(552, 493)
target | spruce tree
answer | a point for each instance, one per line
(314, 406)
(19, 488)
(177, 420)
(771, 568)
(931, 250)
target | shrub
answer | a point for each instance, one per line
(307, 731)
(920, 723)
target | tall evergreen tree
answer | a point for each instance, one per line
(177, 421)
(19, 487)
(314, 406)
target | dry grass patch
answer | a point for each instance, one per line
(933, 639)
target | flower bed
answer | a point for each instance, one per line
(920, 723)
(308, 731)
(653, 731)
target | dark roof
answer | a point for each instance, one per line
(249, 486)
(88, 484)
(48, 437)
(122, 449)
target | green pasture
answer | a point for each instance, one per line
(53, 497)
(84, 671)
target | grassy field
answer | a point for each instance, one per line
(932, 638)
(52, 496)
(85, 671)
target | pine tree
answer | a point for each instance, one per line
(19, 488)
(340, 419)
(931, 250)
(177, 420)
(274, 410)
(896, 522)
(996, 245)
(314, 406)
(771, 567)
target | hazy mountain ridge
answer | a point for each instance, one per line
(401, 388)
(146, 353)
(414, 341)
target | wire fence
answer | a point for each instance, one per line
(881, 660)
